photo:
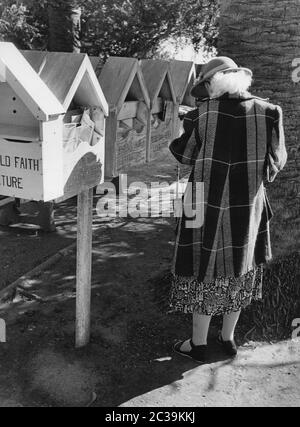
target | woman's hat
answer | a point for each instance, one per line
(216, 65)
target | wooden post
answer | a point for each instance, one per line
(84, 267)
(111, 145)
(149, 137)
(175, 133)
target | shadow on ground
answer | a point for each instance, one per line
(130, 354)
(132, 337)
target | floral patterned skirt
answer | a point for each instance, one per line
(223, 296)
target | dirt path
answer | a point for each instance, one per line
(129, 361)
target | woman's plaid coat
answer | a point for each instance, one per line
(233, 145)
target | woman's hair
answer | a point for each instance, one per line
(234, 82)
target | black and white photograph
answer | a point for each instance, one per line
(150, 206)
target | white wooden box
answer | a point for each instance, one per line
(124, 87)
(163, 101)
(37, 90)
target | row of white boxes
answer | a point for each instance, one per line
(67, 123)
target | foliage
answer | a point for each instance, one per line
(115, 27)
(272, 318)
(23, 23)
(137, 27)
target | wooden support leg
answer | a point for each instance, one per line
(8, 212)
(84, 268)
(176, 122)
(45, 218)
(121, 184)
(149, 137)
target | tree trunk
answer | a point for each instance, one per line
(64, 26)
(264, 35)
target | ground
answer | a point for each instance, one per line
(129, 361)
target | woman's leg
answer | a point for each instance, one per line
(200, 331)
(229, 324)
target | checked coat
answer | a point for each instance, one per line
(233, 144)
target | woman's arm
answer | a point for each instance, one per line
(277, 154)
(186, 148)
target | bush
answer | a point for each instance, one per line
(23, 24)
(133, 28)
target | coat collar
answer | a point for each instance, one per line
(246, 96)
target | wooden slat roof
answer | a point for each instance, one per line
(97, 64)
(57, 70)
(120, 78)
(68, 76)
(158, 78)
(183, 75)
(23, 79)
(198, 69)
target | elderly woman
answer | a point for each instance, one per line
(234, 142)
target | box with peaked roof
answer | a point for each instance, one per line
(124, 88)
(52, 124)
(162, 103)
(183, 76)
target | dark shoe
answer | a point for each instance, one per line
(197, 353)
(229, 347)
